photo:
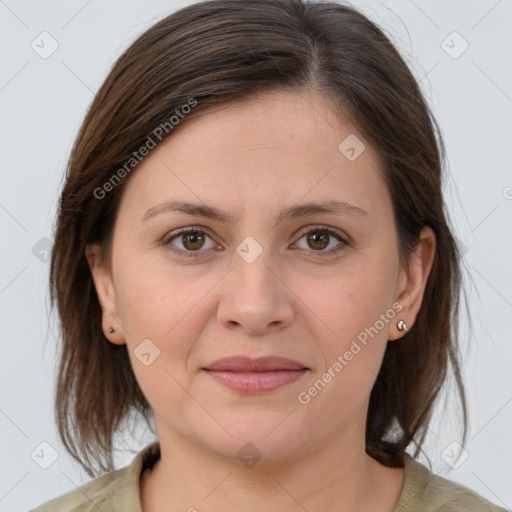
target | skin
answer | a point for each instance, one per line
(253, 159)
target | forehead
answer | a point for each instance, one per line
(277, 147)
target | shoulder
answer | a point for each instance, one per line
(118, 490)
(95, 495)
(426, 492)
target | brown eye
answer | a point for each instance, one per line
(188, 242)
(193, 240)
(319, 239)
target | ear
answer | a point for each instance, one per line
(413, 280)
(106, 294)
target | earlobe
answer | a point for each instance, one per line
(102, 279)
(413, 281)
(113, 334)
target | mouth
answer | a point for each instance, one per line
(255, 376)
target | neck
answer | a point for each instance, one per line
(189, 477)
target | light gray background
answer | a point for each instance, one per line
(43, 102)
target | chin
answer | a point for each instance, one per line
(255, 440)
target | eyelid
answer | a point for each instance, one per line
(320, 227)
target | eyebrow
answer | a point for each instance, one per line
(302, 210)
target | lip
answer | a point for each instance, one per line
(260, 364)
(254, 376)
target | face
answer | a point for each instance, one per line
(321, 288)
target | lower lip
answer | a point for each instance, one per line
(256, 382)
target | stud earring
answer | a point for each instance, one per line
(111, 330)
(402, 326)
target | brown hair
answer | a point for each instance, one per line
(217, 52)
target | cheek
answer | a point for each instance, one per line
(352, 311)
(163, 315)
(158, 298)
(351, 354)
(348, 301)
(169, 307)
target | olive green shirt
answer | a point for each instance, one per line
(118, 491)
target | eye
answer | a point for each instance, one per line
(320, 238)
(193, 240)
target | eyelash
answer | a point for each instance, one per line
(194, 254)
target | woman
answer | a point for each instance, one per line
(252, 250)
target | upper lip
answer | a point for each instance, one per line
(248, 364)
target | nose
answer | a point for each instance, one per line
(256, 298)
